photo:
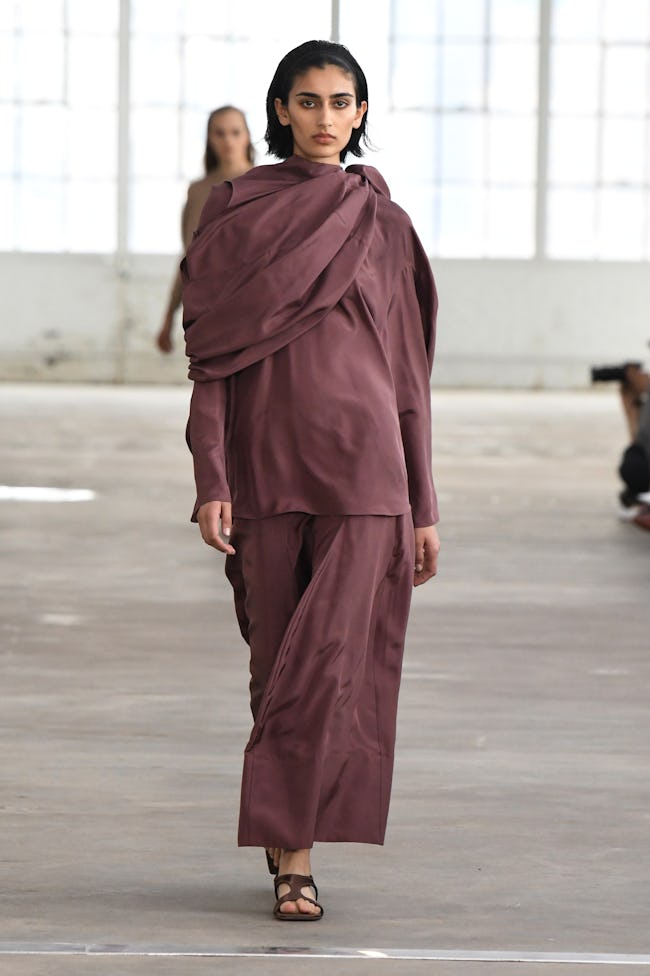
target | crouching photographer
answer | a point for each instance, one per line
(634, 384)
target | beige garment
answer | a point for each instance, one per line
(197, 195)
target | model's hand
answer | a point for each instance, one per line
(427, 546)
(215, 520)
(164, 337)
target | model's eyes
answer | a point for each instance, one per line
(338, 103)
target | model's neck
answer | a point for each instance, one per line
(228, 171)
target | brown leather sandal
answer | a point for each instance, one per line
(296, 883)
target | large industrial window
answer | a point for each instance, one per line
(599, 130)
(507, 128)
(58, 125)
(187, 58)
(475, 103)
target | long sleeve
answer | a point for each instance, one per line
(411, 330)
(205, 438)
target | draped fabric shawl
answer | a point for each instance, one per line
(270, 259)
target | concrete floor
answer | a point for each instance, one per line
(521, 807)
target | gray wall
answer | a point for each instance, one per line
(502, 323)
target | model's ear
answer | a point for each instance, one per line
(281, 112)
(361, 111)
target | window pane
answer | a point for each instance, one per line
(7, 202)
(7, 143)
(8, 16)
(625, 80)
(42, 141)
(155, 70)
(40, 72)
(205, 19)
(91, 213)
(92, 71)
(39, 16)
(620, 234)
(415, 74)
(513, 78)
(573, 150)
(626, 20)
(298, 22)
(574, 79)
(511, 150)
(40, 206)
(193, 132)
(414, 18)
(463, 148)
(94, 18)
(462, 76)
(155, 215)
(154, 142)
(466, 19)
(575, 19)
(418, 199)
(571, 223)
(155, 16)
(93, 144)
(7, 66)
(623, 151)
(410, 140)
(514, 18)
(461, 221)
(510, 222)
(205, 63)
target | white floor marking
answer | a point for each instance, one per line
(31, 493)
(284, 952)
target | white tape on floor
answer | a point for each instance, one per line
(284, 952)
(32, 493)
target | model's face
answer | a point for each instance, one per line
(228, 137)
(322, 112)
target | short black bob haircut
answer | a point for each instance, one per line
(312, 54)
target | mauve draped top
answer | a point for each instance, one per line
(309, 310)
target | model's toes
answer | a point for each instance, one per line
(301, 906)
(306, 907)
(289, 908)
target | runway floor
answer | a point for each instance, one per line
(519, 837)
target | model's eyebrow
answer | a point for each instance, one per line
(337, 95)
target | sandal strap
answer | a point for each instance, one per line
(296, 882)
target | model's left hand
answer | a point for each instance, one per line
(427, 546)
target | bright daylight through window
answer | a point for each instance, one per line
(458, 116)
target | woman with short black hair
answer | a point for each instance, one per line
(310, 313)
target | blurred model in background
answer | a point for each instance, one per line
(228, 153)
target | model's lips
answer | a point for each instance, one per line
(324, 137)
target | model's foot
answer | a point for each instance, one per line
(297, 862)
(274, 854)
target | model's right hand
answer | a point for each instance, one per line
(164, 338)
(215, 520)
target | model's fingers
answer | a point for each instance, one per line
(428, 568)
(226, 518)
(431, 559)
(419, 557)
(209, 518)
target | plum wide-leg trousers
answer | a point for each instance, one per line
(323, 602)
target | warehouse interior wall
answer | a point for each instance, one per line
(517, 324)
(514, 132)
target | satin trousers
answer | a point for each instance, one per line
(323, 603)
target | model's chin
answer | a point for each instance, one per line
(318, 152)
